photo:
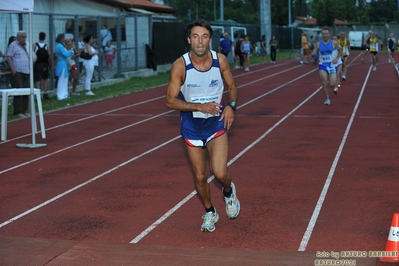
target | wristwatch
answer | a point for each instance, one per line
(232, 105)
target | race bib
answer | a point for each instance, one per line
(325, 58)
(205, 99)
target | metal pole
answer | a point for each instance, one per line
(32, 94)
(214, 10)
(221, 10)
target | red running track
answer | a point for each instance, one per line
(309, 177)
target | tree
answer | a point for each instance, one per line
(279, 10)
(300, 8)
(324, 12)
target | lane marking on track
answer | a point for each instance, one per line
(193, 193)
(135, 104)
(130, 160)
(320, 116)
(316, 212)
(83, 142)
(87, 182)
(89, 117)
(128, 126)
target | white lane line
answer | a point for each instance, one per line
(83, 142)
(88, 117)
(316, 212)
(87, 182)
(192, 194)
(114, 168)
(53, 113)
(106, 134)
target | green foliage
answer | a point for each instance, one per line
(247, 11)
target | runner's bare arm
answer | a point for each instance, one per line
(228, 113)
(316, 49)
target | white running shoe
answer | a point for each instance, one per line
(374, 68)
(89, 92)
(335, 90)
(327, 101)
(343, 77)
(232, 203)
(210, 218)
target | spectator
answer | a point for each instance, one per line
(62, 69)
(225, 46)
(70, 45)
(273, 48)
(105, 36)
(263, 49)
(246, 49)
(42, 65)
(109, 51)
(239, 58)
(305, 48)
(18, 61)
(89, 64)
(81, 45)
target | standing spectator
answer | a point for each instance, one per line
(42, 65)
(273, 49)
(246, 49)
(109, 51)
(70, 45)
(18, 60)
(105, 36)
(225, 46)
(391, 47)
(89, 64)
(205, 119)
(263, 49)
(239, 58)
(305, 48)
(62, 69)
(81, 45)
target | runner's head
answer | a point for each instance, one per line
(325, 34)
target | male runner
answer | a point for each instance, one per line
(346, 49)
(328, 61)
(196, 90)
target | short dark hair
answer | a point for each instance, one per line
(199, 23)
(60, 37)
(42, 36)
(11, 39)
(87, 38)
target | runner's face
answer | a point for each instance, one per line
(199, 40)
(325, 35)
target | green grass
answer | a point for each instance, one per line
(126, 87)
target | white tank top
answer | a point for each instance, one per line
(202, 86)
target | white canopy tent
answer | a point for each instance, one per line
(25, 6)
